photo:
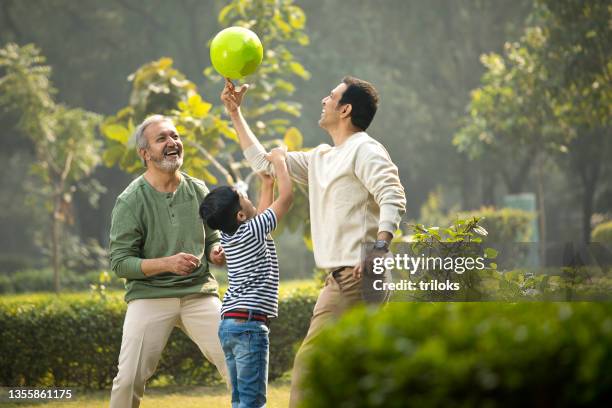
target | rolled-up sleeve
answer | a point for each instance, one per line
(380, 176)
(125, 243)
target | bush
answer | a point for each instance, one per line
(465, 355)
(74, 340)
(41, 280)
(504, 225)
(602, 233)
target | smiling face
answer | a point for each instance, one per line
(165, 149)
(331, 113)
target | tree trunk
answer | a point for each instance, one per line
(541, 210)
(55, 244)
(587, 211)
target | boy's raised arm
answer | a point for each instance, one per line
(281, 205)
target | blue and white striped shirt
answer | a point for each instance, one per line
(252, 266)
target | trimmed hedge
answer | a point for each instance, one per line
(602, 233)
(466, 355)
(41, 280)
(75, 341)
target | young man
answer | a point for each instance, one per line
(354, 192)
(252, 296)
(159, 246)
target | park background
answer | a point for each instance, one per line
(484, 106)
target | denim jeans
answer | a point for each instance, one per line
(246, 347)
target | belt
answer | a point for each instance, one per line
(245, 315)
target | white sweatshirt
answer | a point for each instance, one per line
(354, 192)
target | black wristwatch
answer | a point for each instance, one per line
(381, 245)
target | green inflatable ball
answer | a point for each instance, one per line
(236, 52)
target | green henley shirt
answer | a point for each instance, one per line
(148, 224)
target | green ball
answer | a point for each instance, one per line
(236, 52)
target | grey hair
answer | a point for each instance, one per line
(138, 137)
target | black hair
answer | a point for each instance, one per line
(219, 209)
(363, 98)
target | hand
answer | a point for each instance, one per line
(217, 255)
(232, 98)
(368, 264)
(266, 179)
(182, 263)
(277, 154)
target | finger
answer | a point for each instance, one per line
(357, 271)
(243, 89)
(191, 258)
(229, 83)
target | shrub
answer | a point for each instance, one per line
(602, 233)
(503, 225)
(465, 355)
(74, 340)
(41, 280)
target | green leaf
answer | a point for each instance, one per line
(490, 253)
(116, 132)
(480, 230)
(224, 12)
(299, 70)
(293, 139)
(112, 155)
(208, 177)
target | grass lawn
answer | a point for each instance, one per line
(169, 397)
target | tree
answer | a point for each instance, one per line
(64, 139)
(548, 96)
(211, 148)
(578, 55)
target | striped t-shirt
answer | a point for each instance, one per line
(252, 266)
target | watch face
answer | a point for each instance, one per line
(380, 245)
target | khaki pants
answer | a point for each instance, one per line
(340, 293)
(147, 326)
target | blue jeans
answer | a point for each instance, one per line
(246, 347)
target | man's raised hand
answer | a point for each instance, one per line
(232, 97)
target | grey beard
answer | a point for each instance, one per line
(168, 165)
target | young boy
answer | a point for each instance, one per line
(251, 298)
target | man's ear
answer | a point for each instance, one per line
(345, 110)
(143, 155)
(241, 216)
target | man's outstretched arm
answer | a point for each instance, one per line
(232, 99)
(255, 153)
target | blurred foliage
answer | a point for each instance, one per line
(41, 280)
(548, 96)
(210, 144)
(602, 233)
(465, 354)
(67, 150)
(503, 225)
(82, 337)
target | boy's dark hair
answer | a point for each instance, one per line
(219, 209)
(363, 98)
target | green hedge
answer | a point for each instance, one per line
(466, 355)
(602, 233)
(503, 225)
(75, 340)
(41, 280)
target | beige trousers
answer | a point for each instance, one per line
(147, 326)
(340, 293)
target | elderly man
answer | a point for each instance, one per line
(354, 192)
(159, 245)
